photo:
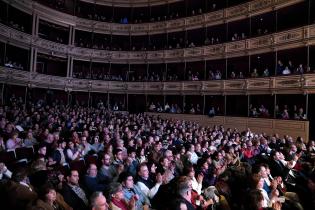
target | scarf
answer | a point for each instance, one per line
(80, 193)
(120, 204)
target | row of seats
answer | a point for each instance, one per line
(18, 157)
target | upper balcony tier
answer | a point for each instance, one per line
(198, 21)
(297, 37)
(293, 84)
(131, 3)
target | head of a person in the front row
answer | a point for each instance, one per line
(47, 193)
(73, 177)
(115, 191)
(255, 200)
(98, 201)
(20, 175)
(185, 187)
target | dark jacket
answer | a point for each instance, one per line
(72, 199)
(93, 184)
(19, 196)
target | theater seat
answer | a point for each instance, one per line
(91, 159)
(78, 165)
(22, 163)
(24, 152)
(8, 157)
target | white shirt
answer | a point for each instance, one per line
(148, 192)
(196, 186)
(266, 202)
(5, 172)
(193, 157)
(71, 155)
(286, 71)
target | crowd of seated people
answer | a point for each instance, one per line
(155, 76)
(101, 45)
(211, 41)
(193, 76)
(260, 31)
(262, 111)
(92, 158)
(13, 64)
(174, 108)
(217, 75)
(255, 73)
(287, 113)
(176, 43)
(16, 26)
(290, 68)
(237, 37)
(57, 4)
(140, 18)
(53, 38)
(167, 108)
(238, 75)
(97, 76)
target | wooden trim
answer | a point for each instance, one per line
(292, 128)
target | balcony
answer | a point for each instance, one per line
(294, 38)
(212, 18)
(293, 84)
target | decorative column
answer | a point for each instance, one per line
(2, 94)
(70, 66)
(306, 106)
(204, 104)
(71, 35)
(35, 24)
(33, 59)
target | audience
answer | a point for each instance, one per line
(148, 162)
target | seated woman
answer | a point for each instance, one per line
(116, 197)
(49, 199)
(14, 142)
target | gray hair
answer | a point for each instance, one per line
(184, 185)
(93, 198)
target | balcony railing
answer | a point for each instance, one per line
(212, 18)
(297, 37)
(293, 84)
(133, 3)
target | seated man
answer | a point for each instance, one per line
(108, 172)
(98, 201)
(91, 180)
(145, 183)
(130, 190)
(20, 193)
(184, 194)
(73, 194)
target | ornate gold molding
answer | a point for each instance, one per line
(212, 18)
(282, 84)
(283, 40)
(131, 3)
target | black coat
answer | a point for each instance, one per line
(72, 199)
(278, 169)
